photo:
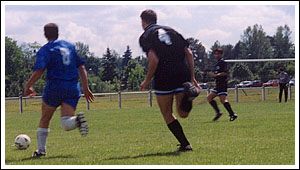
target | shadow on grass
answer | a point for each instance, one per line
(41, 158)
(144, 155)
(217, 121)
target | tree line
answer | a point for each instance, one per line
(114, 72)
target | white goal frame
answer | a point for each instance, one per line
(260, 60)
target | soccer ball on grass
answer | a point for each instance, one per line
(22, 141)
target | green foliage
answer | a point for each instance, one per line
(116, 84)
(109, 66)
(200, 56)
(257, 46)
(126, 57)
(254, 44)
(136, 76)
(241, 71)
(19, 61)
(282, 45)
(143, 61)
(82, 50)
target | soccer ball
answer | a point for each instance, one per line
(22, 141)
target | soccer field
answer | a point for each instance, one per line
(263, 134)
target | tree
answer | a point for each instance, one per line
(126, 57)
(116, 84)
(136, 75)
(82, 50)
(256, 45)
(200, 56)
(143, 61)
(92, 64)
(237, 50)
(227, 51)
(283, 47)
(109, 66)
(241, 72)
(211, 60)
(127, 69)
(268, 71)
(14, 68)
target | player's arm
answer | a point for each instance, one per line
(84, 82)
(223, 71)
(152, 65)
(219, 74)
(222, 74)
(190, 61)
(28, 90)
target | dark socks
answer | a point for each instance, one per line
(177, 131)
(228, 108)
(215, 106)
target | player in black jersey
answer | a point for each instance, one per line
(171, 64)
(221, 76)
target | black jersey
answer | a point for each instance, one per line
(172, 70)
(221, 67)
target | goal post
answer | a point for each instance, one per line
(260, 60)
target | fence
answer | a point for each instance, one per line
(150, 95)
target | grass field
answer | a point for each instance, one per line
(263, 134)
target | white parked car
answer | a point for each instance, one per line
(292, 82)
(244, 84)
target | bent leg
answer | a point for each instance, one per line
(68, 120)
(223, 99)
(183, 114)
(226, 104)
(211, 96)
(212, 102)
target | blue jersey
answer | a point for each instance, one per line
(60, 59)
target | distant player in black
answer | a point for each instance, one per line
(171, 64)
(221, 75)
(283, 82)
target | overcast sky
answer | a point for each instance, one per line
(116, 26)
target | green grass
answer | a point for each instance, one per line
(264, 134)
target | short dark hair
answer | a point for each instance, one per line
(149, 16)
(220, 50)
(281, 69)
(51, 31)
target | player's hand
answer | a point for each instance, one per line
(194, 81)
(144, 85)
(88, 95)
(29, 91)
(212, 75)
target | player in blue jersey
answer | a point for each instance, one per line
(63, 67)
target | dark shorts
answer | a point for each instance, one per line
(170, 76)
(221, 89)
(58, 91)
(175, 91)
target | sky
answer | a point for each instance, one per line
(117, 24)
